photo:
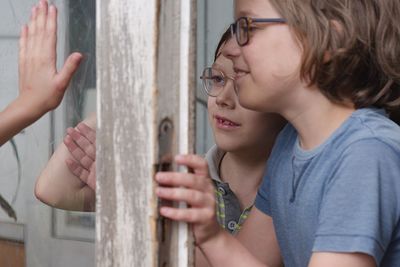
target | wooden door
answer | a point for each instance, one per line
(145, 78)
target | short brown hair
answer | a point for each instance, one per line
(351, 48)
(224, 38)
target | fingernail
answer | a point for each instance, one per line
(165, 211)
(158, 177)
(179, 157)
(158, 191)
(78, 56)
(67, 139)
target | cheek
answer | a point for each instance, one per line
(210, 108)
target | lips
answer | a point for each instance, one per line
(225, 123)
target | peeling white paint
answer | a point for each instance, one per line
(127, 116)
(126, 81)
(185, 34)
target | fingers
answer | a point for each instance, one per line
(32, 22)
(194, 162)
(70, 67)
(193, 188)
(181, 179)
(51, 33)
(84, 152)
(190, 215)
(83, 143)
(41, 19)
(37, 26)
(91, 180)
(77, 170)
(78, 154)
(192, 197)
(23, 39)
(87, 132)
(22, 52)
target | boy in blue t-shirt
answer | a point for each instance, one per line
(331, 194)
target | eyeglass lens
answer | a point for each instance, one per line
(213, 81)
(242, 31)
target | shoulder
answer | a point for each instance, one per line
(368, 130)
(285, 141)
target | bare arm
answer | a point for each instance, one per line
(258, 236)
(41, 87)
(200, 259)
(329, 259)
(57, 186)
(262, 243)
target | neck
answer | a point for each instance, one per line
(244, 171)
(317, 121)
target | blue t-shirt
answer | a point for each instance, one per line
(343, 196)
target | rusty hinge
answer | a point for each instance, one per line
(165, 158)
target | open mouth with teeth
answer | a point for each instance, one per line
(225, 123)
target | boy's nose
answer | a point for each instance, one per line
(226, 97)
(231, 49)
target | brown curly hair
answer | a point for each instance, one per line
(351, 48)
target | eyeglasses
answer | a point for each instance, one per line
(214, 81)
(242, 27)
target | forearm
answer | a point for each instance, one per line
(58, 187)
(225, 250)
(200, 259)
(15, 117)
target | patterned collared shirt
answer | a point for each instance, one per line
(229, 214)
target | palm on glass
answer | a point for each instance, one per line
(81, 143)
(40, 84)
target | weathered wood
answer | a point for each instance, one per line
(176, 83)
(126, 74)
(144, 62)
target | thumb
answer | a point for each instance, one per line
(70, 66)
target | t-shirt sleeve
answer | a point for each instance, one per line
(360, 207)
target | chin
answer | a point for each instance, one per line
(228, 146)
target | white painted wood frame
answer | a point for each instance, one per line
(145, 73)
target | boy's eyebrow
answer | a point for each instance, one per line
(245, 13)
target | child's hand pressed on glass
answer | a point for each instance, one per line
(81, 143)
(41, 86)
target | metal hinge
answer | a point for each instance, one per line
(165, 159)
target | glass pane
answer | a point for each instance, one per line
(32, 233)
(213, 19)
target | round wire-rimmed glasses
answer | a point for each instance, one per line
(241, 27)
(214, 81)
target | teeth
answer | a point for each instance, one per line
(225, 122)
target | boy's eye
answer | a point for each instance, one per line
(218, 80)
